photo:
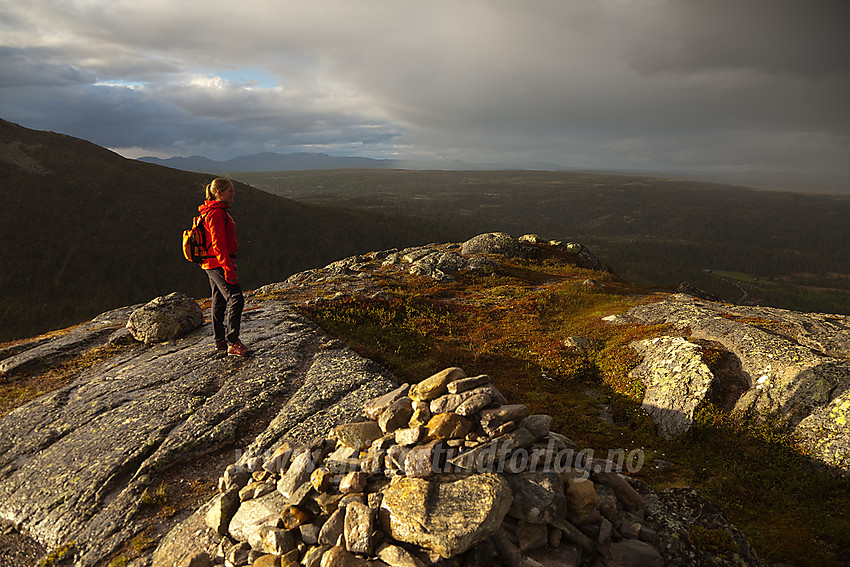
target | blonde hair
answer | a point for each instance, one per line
(216, 186)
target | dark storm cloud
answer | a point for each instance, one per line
(753, 85)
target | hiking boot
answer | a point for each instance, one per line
(238, 349)
(221, 345)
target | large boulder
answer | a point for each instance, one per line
(492, 243)
(447, 516)
(677, 381)
(165, 318)
(743, 358)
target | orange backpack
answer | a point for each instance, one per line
(195, 241)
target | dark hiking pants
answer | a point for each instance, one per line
(227, 304)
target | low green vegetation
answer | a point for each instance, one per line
(57, 556)
(535, 328)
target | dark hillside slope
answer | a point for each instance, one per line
(85, 230)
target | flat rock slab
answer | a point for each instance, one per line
(74, 463)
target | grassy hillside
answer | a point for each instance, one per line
(774, 248)
(85, 230)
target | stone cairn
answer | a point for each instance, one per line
(444, 472)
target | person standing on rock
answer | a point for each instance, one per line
(220, 266)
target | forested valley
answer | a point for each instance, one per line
(777, 248)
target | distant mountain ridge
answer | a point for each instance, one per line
(302, 161)
(268, 161)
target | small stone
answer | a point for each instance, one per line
(630, 497)
(237, 556)
(446, 403)
(333, 528)
(493, 418)
(555, 537)
(200, 559)
(328, 502)
(359, 527)
(224, 507)
(262, 476)
(538, 497)
(582, 500)
(575, 535)
(338, 556)
(290, 559)
(446, 516)
(395, 457)
(277, 541)
(236, 476)
(372, 464)
(484, 554)
(629, 529)
(409, 436)
(297, 474)
(606, 529)
(397, 415)
(469, 383)
(313, 557)
(561, 441)
(538, 425)
(447, 426)
(309, 533)
(254, 464)
(648, 535)
(507, 551)
(419, 461)
(255, 490)
(165, 318)
(473, 404)
(375, 407)
(352, 482)
(254, 514)
(320, 479)
(495, 396)
(532, 536)
(279, 459)
(436, 385)
(496, 453)
(342, 460)
(374, 499)
(299, 497)
(397, 556)
(294, 516)
(347, 499)
(358, 435)
(421, 414)
(504, 428)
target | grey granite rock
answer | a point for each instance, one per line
(446, 516)
(165, 318)
(74, 462)
(767, 359)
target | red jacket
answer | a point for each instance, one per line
(222, 232)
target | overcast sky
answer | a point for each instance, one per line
(710, 86)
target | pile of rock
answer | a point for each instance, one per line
(441, 469)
